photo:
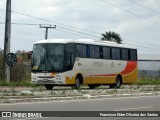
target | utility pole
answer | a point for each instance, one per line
(6, 68)
(47, 27)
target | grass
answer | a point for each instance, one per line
(144, 81)
(20, 83)
(147, 81)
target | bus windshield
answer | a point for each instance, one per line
(48, 57)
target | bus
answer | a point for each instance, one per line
(57, 62)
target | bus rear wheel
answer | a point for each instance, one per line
(49, 86)
(117, 84)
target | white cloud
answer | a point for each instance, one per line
(92, 15)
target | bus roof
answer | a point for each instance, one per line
(85, 41)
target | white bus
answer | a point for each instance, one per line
(83, 62)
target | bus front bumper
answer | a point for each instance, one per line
(47, 79)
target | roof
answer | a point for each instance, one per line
(85, 41)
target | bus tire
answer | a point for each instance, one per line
(49, 86)
(117, 84)
(77, 82)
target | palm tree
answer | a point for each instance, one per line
(112, 36)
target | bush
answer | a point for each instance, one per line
(19, 72)
(148, 81)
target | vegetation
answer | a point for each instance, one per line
(20, 72)
(148, 81)
(20, 83)
(112, 36)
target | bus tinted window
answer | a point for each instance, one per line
(69, 57)
(106, 53)
(115, 53)
(91, 48)
(133, 55)
(94, 51)
(81, 50)
(124, 54)
(118, 54)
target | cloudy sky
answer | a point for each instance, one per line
(137, 21)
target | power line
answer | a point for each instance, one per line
(144, 6)
(133, 44)
(54, 22)
(129, 12)
(62, 30)
(79, 32)
(67, 25)
(142, 43)
(57, 26)
(27, 24)
(150, 49)
(60, 24)
(142, 46)
(76, 27)
(31, 16)
(68, 29)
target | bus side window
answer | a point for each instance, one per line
(101, 52)
(81, 50)
(69, 57)
(124, 54)
(87, 51)
(133, 54)
(106, 53)
(96, 52)
(91, 47)
(116, 53)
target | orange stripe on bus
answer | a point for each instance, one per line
(131, 66)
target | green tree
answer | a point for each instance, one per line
(112, 36)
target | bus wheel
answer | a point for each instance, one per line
(117, 84)
(77, 82)
(49, 86)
